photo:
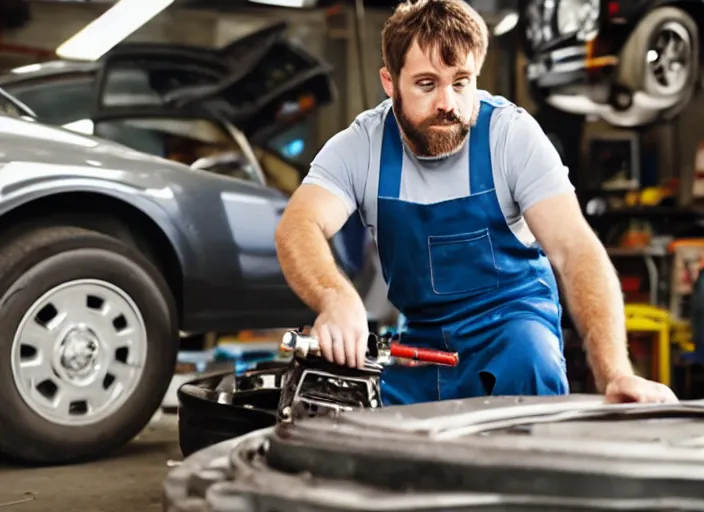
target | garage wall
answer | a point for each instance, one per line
(685, 136)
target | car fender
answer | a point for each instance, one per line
(154, 203)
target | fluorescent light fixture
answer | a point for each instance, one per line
(296, 4)
(507, 24)
(110, 29)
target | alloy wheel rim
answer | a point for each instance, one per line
(669, 60)
(79, 352)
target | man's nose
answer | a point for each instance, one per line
(445, 100)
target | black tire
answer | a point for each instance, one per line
(33, 262)
(631, 74)
(208, 415)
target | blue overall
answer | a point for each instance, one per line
(465, 283)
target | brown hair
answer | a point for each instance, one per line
(452, 26)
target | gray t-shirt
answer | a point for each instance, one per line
(525, 165)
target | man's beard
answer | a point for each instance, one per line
(425, 139)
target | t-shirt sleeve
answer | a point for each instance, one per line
(342, 165)
(534, 169)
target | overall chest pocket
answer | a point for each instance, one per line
(462, 263)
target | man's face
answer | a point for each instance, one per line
(434, 103)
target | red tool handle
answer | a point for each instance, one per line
(424, 354)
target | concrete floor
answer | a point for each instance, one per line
(130, 479)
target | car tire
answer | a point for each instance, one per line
(109, 359)
(635, 73)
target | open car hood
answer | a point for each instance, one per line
(260, 83)
(546, 454)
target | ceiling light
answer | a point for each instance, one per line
(110, 29)
(507, 24)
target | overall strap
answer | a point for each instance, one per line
(391, 159)
(481, 178)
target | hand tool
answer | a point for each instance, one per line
(381, 349)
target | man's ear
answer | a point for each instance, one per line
(387, 82)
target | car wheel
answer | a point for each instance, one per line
(88, 344)
(660, 62)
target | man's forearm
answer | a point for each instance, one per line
(308, 264)
(595, 302)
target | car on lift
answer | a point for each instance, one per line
(106, 253)
(630, 63)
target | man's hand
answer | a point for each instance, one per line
(342, 329)
(631, 388)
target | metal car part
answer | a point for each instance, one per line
(79, 351)
(631, 457)
(669, 60)
(314, 387)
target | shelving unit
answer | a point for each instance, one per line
(652, 236)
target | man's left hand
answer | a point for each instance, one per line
(631, 388)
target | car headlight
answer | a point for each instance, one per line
(578, 16)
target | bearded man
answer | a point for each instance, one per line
(473, 214)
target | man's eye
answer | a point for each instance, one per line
(425, 84)
(462, 83)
